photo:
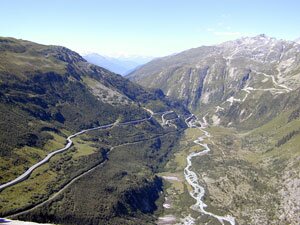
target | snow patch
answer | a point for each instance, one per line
(169, 92)
(216, 120)
(232, 99)
(218, 108)
(231, 72)
(242, 112)
(287, 63)
(166, 206)
(205, 97)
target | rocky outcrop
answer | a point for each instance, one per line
(241, 72)
(142, 198)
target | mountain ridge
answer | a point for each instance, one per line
(48, 93)
(224, 72)
(247, 93)
(119, 65)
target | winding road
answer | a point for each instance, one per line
(278, 88)
(27, 173)
(164, 121)
(191, 177)
(67, 185)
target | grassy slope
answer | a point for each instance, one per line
(244, 175)
(127, 177)
(45, 95)
(252, 172)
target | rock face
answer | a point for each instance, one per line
(225, 74)
(248, 91)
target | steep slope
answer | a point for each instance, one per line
(246, 96)
(48, 93)
(222, 75)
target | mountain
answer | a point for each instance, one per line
(245, 94)
(137, 154)
(120, 65)
(223, 74)
(105, 62)
(297, 40)
(135, 58)
(48, 93)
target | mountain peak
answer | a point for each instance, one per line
(262, 36)
(255, 39)
(232, 60)
(259, 48)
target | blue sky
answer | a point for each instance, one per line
(146, 27)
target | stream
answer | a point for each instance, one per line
(191, 177)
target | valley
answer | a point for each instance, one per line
(246, 91)
(67, 185)
(69, 144)
(191, 177)
(149, 112)
(236, 178)
(82, 145)
(47, 95)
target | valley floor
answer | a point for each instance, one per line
(241, 176)
(246, 175)
(85, 160)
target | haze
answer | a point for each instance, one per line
(149, 28)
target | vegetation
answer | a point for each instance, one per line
(49, 92)
(250, 99)
(128, 178)
(286, 138)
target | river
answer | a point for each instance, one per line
(198, 191)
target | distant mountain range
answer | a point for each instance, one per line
(120, 65)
